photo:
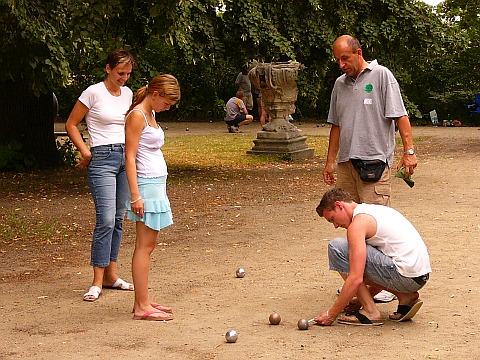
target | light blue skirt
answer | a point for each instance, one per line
(158, 213)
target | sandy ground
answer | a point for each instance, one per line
(265, 222)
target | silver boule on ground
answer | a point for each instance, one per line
(303, 324)
(231, 336)
(240, 273)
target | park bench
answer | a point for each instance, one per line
(59, 130)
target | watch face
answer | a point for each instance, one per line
(410, 152)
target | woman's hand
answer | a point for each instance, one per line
(84, 161)
(138, 208)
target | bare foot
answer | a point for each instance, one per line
(405, 299)
(154, 315)
(163, 308)
(360, 318)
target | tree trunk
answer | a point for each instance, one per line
(28, 119)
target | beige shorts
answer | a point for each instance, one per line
(363, 192)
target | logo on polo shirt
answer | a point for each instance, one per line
(368, 88)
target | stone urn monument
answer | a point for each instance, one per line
(278, 86)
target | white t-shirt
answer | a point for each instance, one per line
(397, 238)
(106, 114)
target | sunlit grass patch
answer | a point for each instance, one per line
(225, 150)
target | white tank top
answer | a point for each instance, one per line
(397, 238)
(150, 162)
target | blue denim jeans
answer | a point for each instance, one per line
(109, 187)
(379, 267)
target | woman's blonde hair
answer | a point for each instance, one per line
(166, 85)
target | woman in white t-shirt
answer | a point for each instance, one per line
(149, 206)
(104, 105)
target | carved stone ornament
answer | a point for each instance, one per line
(278, 86)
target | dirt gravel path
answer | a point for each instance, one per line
(264, 221)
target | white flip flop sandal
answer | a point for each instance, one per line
(120, 285)
(92, 294)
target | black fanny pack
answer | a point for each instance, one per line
(369, 170)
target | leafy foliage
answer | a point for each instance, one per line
(13, 157)
(61, 46)
(31, 48)
(68, 153)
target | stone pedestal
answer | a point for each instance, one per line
(280, 144)
(277, 83)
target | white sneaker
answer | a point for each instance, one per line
(233, 129)
(384, 297)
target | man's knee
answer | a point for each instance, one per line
(338, 248)
(338, 255)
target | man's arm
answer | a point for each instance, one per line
(362, 227)
(242, 108)
(405, 130)
(357, 253)
(333, 147)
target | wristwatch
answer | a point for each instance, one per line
(409, 152)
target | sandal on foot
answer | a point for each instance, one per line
(359, 319)
(120, 285)
(406, 312)
(166, 309)
(154, 315)
(160, 307)
(92, 294)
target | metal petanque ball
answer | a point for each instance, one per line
(231, 336)
(302, 324)
(274, 319)
(240, 273)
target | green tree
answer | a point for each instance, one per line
(61, 46)
(33, 59)
(48, 45)
(457, 71)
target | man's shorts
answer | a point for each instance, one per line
(379, 268)
(238, 119)
(349, 180)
